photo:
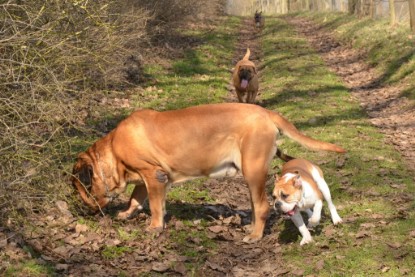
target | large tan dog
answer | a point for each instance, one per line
(154, 149)
(245, 79)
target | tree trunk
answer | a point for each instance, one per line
(392, 12)
(412, 14)
(352, 6)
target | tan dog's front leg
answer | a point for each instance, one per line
(239, 95)
(156, 182)
(137, 199)
(157, 200)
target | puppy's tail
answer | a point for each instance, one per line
(288, 129)
(283, 156)
(248, 53)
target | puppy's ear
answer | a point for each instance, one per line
(277, 177)
(297, 180)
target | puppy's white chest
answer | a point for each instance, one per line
(309, 197)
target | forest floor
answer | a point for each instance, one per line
(205, 238)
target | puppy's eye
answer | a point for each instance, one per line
(283, 195)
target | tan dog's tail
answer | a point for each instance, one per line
(288, 129)
(248, 53)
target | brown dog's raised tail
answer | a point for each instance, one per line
(248, 53)
(288, 129)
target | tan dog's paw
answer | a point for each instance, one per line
(248, 228)
(129, 213)
(251, 238)
(154, 230)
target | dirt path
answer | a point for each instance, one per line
(393, 114)
(233, 257)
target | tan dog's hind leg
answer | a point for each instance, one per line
(260, 206)
(256, 156)
(137, 199)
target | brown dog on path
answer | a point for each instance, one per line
(259, 20)
(245, 79)
(154, 150)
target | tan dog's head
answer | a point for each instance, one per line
(287, 193)
(245, 74)
(93, 177)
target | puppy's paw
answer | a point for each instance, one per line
(337, 220)
(313, 222)
(306, 240)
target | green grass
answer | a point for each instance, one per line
(200, 77)
(29, 268)
(112, 252)
(389, 48)
(298, 84)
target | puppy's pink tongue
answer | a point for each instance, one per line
(244, 83)
(291, 213)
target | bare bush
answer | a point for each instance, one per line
(58, 59)
(53, 54)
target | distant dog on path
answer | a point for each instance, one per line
(245, 79)
(259, 19)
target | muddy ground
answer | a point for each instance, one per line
(76, 249)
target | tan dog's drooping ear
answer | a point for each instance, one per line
(82, 179)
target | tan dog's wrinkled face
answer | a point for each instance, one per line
(287, 193)
(245, 74)
(88, 182)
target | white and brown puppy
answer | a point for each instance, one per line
(302, 187)
(245, 79)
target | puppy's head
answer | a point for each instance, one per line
(287, 193)
(245, 74)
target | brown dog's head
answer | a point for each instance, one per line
(94, 178)
(245, 74)
(257, 16)
(287, 193)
